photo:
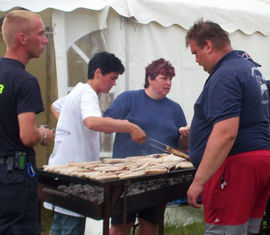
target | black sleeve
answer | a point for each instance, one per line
(29, 96)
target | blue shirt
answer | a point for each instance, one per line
(160, 119)
(235, 88)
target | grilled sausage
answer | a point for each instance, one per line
(177, 153)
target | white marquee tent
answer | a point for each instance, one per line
(139, 31)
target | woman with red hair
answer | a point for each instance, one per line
(161, 119)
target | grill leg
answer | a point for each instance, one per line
(106, 210)
(161, 219)
(161, 226)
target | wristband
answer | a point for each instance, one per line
(44, 139)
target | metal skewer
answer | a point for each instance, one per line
(163, 150)
(167, 149)
(154, 143)
(151, 139)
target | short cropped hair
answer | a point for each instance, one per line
(106, 62)
(208, 30)
(17, 21)
(157, 67)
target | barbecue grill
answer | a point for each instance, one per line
(118, 197)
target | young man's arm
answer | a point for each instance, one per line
(108, 125)
(54, 112)
(57, 106)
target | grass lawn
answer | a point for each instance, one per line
(192, 229)
(46, 220)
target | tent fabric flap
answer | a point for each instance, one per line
(248, 16)
(68, 28)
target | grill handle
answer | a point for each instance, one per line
(54, 192)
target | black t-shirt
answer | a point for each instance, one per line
(19, 93)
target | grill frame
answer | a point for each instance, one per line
(113, 204)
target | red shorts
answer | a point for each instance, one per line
(239, 190)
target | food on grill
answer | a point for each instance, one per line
(113, 160)
(54, 167)
(107, 176)
(156, 170)
(68, 170)
(142, 183)
(172, 158)
(115, 168)
(177, 152)
(184, 165)
(86, 174)
(143, 166)
(131, 174)
(82, 164)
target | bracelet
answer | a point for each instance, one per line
(44, 139)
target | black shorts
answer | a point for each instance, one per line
(150, 214)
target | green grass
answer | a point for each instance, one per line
(46, 220)
(192, 229)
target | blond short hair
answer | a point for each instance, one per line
(17, 21)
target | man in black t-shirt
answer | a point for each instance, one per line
(20, 101)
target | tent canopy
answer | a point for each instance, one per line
(248, 16)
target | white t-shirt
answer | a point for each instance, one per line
(82, 144)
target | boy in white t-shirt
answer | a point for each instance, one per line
(79, 114)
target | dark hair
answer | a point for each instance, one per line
(157, 67)
(207, 30)
(106, 62)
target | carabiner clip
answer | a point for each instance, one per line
(30, 170)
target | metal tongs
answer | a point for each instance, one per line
(60, 132)
(168, 149)
(57, 131)
(158, 145)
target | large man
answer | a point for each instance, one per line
(20, 100)
(229, 136)
(80, 115)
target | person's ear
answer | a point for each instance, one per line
(21, 38)
(149, 79)
(97, 73)
(208, 46)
